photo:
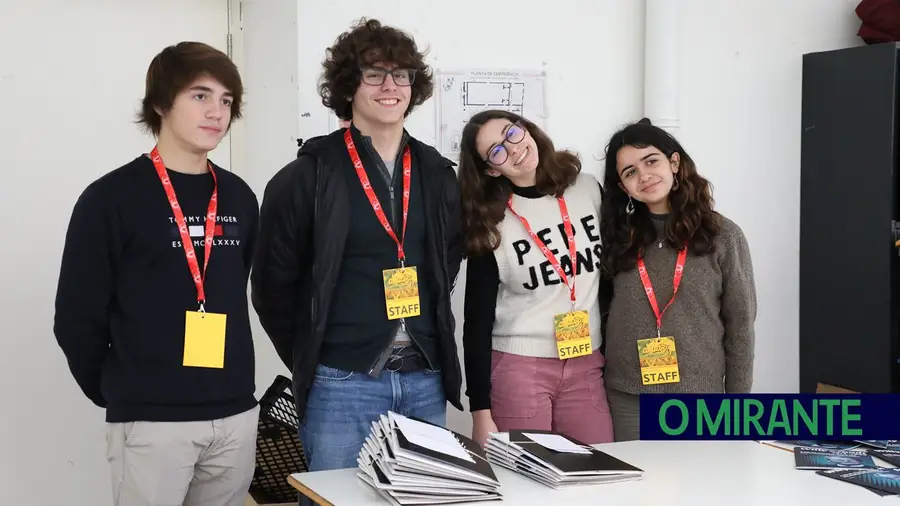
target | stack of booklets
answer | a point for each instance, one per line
(409, 461)
(557, 461)
(856, 462)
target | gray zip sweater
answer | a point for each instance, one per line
(711, 319)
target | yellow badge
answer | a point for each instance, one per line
(204, 340)
(401, 292)
(573, 334)
(659, 361)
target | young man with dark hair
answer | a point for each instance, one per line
(151, 308)
(359, 251)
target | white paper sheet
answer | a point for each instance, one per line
(557, 443)
(432, 437)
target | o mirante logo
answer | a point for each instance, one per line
(769, 416)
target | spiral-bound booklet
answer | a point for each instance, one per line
(409, 461)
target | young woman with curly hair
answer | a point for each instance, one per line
(532, 322)
(359, 247)
(669, 253)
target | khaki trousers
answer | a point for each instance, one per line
(208, 463)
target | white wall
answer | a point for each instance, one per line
(71, 79)
(267, 57)
(740, 80)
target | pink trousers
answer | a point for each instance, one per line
(567, 396)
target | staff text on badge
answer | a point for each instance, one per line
(401, 292)
(658, 360)
(573, 334)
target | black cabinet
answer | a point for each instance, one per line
(849, 264)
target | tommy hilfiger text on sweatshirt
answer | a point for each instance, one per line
(125, 287)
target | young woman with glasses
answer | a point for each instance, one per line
(684, 299)
(532, 322)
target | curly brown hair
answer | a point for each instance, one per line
(367, 43)
(175, 68)
(692, 220)
(484, 197)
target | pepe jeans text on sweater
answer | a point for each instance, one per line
(543, 273)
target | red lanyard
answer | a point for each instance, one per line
(570, 236)
(648, 287)
(373, 199)
(186, 240)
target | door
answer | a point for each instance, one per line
(71, 80)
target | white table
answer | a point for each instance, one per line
(676, 473)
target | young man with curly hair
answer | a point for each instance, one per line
(151, 309)
(359, 249)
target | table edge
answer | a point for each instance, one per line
(303, 489)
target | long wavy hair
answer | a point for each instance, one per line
(484, 197)
(693, 221)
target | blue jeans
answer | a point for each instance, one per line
(342, 406)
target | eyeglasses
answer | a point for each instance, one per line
(375, 76)
(498, 154)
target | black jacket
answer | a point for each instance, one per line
(303, 226)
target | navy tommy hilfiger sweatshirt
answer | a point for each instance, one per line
(125, 286)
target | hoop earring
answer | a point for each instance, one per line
(629, 207)
(676, 185)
